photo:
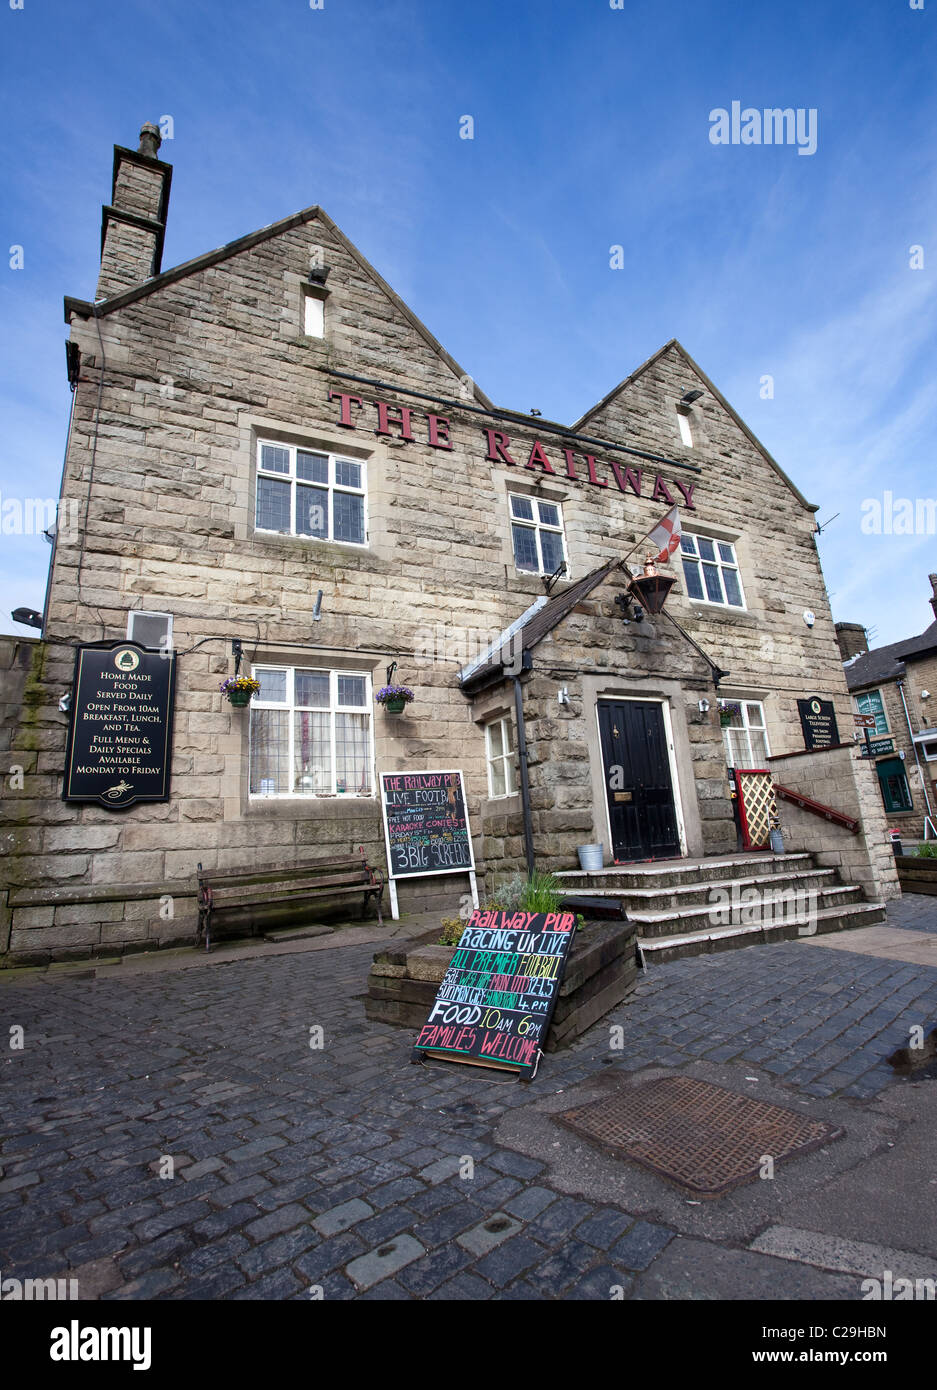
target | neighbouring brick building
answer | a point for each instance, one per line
(897, 686)
(268, 448)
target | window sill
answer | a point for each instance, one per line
(707, 612)
(339, 551)
(311, 807)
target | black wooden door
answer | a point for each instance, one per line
(637, 780)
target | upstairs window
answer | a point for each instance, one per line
(310, 733)
(313, 316)
(711, 571)
(871, 703)
(536, 534)
(686, 434)
(304, 493)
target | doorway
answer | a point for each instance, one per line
(638, 780)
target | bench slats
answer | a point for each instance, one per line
(248, 896)
(230, 902)
(222, 892)
(271, 873)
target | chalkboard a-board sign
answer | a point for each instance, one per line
(818, 722)
(426, 826)
(120, 738)
(495, 1002)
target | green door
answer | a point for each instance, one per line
(894, 784)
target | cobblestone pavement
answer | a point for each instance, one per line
(344, 1168)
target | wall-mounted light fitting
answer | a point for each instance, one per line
(562, 696)
(704, 706)
(689, 397)
(27, 616)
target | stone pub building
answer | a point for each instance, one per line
(272, 462)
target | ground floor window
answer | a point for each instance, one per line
(896, 794)
(310, 733)
(502, 759)
(744, 733)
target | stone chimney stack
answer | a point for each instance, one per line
(852, 640)
(134, 224)
(933, 584)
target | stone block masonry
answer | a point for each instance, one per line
(183, 374)
(848, 785)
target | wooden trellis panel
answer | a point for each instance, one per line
(756, 802)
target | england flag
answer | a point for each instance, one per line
(666, 536)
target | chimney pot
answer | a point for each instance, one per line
(150, 140)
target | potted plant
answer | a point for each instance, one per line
(394, 698)
(239, 689)
(728, 710)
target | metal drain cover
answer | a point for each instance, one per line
(698, 1135)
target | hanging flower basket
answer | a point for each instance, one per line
(728, 710)
(394, 698)
(239, 690)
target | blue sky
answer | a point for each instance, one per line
(591, 130)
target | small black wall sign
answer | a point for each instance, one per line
(120, 739)
(818, 721)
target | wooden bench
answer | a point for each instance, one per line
(281, 894)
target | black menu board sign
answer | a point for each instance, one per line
(120, 738)
(426, 823)
(495, 1002)
(818, 721)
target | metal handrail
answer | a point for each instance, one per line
(817, 808)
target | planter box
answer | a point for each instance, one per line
(916, 875)
(601, 971)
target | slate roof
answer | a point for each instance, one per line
(888, 663)
(541, 623)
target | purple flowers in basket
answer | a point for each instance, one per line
(393, 694)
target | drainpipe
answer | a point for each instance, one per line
(525, 781)
(917, 759)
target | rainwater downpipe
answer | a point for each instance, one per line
(917, 759)
(525, 781)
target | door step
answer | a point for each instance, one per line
(666, 873)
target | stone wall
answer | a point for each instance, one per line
(838, 778)
(207, 361)
(920, 675)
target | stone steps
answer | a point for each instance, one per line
(686, 895)
(659, 950)
(688, 907)
(674, 872)
(768, 911)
